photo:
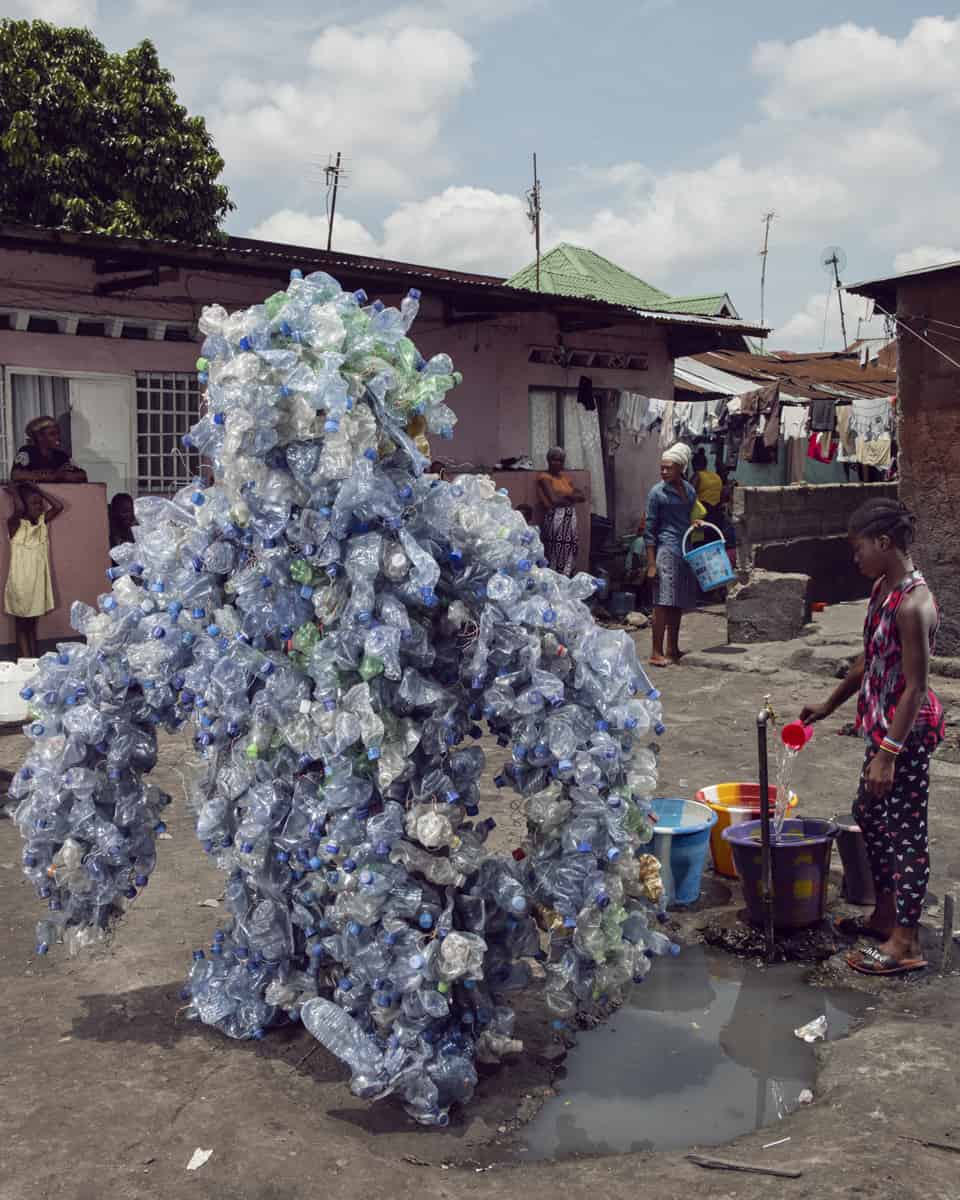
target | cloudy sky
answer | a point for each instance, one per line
(665, 129)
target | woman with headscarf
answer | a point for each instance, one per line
(669, 516)
(558, 495)
(42, 460)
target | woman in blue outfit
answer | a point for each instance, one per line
(669, 508)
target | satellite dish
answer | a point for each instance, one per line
(833, 260)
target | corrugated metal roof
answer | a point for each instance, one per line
(276, 257)
(802, 376)
(819, 374)
(573, 271)
(953, 265)
(704, 306)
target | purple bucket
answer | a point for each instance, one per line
(801, 866)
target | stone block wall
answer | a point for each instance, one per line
(803, 510)
(803, 528)
(928, 393)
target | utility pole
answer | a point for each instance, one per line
(533, 214)
(767, 222)
(834, 261)
(332, 174)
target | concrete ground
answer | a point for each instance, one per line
(106, 1091)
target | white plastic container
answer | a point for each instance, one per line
(13, 676)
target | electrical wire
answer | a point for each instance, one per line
(919, 336)
(939, 321)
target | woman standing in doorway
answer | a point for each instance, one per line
(29, 592)
(42, 460)
(669, 511)
(559, 495)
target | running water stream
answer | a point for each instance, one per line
(787, 757)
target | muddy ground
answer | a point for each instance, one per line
(106, 1090)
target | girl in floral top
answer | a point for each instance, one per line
(901, 720)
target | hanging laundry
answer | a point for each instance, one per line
(638, 415)
(823, 415)
(794, 423)
(875, 452)
(771, 408)
(822, 448)
(845, 435)
(668, 425)
(871, 418)
(797, 460)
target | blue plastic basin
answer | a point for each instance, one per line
(680, 841)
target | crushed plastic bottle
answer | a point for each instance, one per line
(334, 633)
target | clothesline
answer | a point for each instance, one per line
(754, 423)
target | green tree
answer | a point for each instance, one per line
(98, 141)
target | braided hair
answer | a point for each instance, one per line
(884, 517)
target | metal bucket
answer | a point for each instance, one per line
(857, 876)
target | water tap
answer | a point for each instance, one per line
(766, 716)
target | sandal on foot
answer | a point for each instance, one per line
(874, 962)
(663, 662)
(857, 927)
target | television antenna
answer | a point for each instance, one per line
(833, 260)
(767, 221)
(533, 214)
(335, 174)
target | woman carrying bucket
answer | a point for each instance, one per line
(901, 720)
(670, 512)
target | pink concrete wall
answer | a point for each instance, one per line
(492, 405)
(69, 355)
(79, 556)
(522, 486)
(493, 356)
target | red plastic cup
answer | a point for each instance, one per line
(796, 735)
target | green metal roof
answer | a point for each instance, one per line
(701, 306)
(573, 271)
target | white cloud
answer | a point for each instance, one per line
(379, 97)
(468, 229)
(924, 256)
(301, 229)
(473, 229)
(807, 329)
(57, 12)
(892, 147)
(846, 65)
(710, 213)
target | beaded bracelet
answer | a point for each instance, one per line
(890, 746)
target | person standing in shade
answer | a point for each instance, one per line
(902, 722)
(559, 496)
(708, 486)
(123, 519)
(669, 516)
(29, 591)
(42, 460)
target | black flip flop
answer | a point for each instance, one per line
(857, 927)
(872, 962)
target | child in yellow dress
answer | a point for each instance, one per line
(29, 591)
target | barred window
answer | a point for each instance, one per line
(168, 403)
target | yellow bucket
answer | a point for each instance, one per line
(734, 803)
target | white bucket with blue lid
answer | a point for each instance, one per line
(710, 563)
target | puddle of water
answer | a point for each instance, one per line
(703, 1052)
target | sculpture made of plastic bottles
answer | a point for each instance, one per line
(335, 633)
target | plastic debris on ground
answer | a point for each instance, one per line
(198, 1159)
(813, 1031)
(335, 634)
